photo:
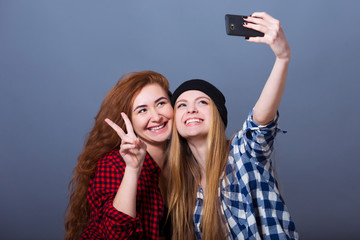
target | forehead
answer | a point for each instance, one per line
(149, 94)
(191, 94)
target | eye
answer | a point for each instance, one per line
(203, 102)
(143, 110)
(181, 105)
(161, 104)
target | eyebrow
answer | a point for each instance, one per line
(156, 101)
(185, 100)
(160, 98)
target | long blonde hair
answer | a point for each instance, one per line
(185, 177)
(101, 140)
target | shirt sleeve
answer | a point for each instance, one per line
(252, 146)
(254, 185)
(257, 140)
(105, 219)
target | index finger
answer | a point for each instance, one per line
(128, 124)
(117, 129)
(263, 15)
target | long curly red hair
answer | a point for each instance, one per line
(101, 140)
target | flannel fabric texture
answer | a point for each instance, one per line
(106, 222)
(248, 192)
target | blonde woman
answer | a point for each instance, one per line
(226, 189)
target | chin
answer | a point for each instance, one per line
(160, 139)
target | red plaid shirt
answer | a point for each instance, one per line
(108, 223)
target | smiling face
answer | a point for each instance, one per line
(193, 115)
(152, 115)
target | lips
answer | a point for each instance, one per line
(157, 128)
(193, 120)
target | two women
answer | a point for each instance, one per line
(121, 194)
(226, 189)
(219, 189)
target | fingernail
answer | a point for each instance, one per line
(246, 38)
(245, 17)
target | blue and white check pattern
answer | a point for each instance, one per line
(249, 196)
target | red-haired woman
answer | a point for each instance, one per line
(119, 194)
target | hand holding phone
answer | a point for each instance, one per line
(235, 27)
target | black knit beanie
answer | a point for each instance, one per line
(207, 88)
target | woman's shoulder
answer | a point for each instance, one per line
(112, 159)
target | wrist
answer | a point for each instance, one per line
(286, 55)
(283, 59)
(131, 171)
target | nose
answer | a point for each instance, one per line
(192, 109)
(155, 116)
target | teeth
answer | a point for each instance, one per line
(193, 120)
(157, 128)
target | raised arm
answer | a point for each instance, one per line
(133, 151)
(268, 103)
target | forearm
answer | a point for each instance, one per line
(268, 103)
(125, 198)
(270, 97)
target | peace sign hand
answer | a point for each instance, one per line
(132, 149)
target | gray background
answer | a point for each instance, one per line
(58, 59)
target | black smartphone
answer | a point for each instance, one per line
(234, 27)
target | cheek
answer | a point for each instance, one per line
(178, 119)
(169, 112)
(136, 123)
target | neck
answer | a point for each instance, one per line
(199, 149)
(157, 152)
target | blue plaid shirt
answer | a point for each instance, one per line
(249, 196)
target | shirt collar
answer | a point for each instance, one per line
(150, 165)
